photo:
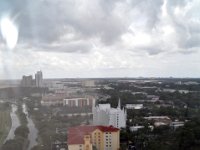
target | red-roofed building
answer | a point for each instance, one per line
(87, 137)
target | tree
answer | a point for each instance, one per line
(22, 131)
(14, 144)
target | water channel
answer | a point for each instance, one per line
(15, 123)
(33, 132)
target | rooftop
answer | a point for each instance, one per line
(104, 106)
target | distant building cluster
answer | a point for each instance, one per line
(103, 114)
(28, 81)
(93, 137)
(104, 134)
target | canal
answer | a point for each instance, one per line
(15, 123)
(33, 132)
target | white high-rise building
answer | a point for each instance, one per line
(103, 114)
(39, 79)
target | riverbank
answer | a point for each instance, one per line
(5, 125)
(17, 137)
(5, 121)
(14, 123)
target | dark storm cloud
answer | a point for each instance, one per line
(43, 21)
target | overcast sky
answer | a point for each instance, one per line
(102, 38)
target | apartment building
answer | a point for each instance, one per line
(93, 137)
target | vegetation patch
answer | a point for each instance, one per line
(5, 121)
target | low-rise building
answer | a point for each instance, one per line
(52, 99)
(88, 137)
(79, 102)
(88, 83)
(134, 106)
(153, 97)
(135, 128)
(159, 120)
(176, 124)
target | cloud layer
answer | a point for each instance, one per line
(103, 38)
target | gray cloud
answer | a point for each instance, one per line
(78, 47)
(152, 10)
(44, 21)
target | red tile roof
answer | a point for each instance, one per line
(76, 134)
(107, 128)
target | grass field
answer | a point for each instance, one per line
(5, 124)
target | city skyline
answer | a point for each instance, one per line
(97, 39)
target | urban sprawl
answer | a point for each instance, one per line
(99, 113)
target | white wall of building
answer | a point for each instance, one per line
(103, 114)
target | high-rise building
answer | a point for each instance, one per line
(103, 114)
(27, 81)
(93, 137)
(39, 79)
